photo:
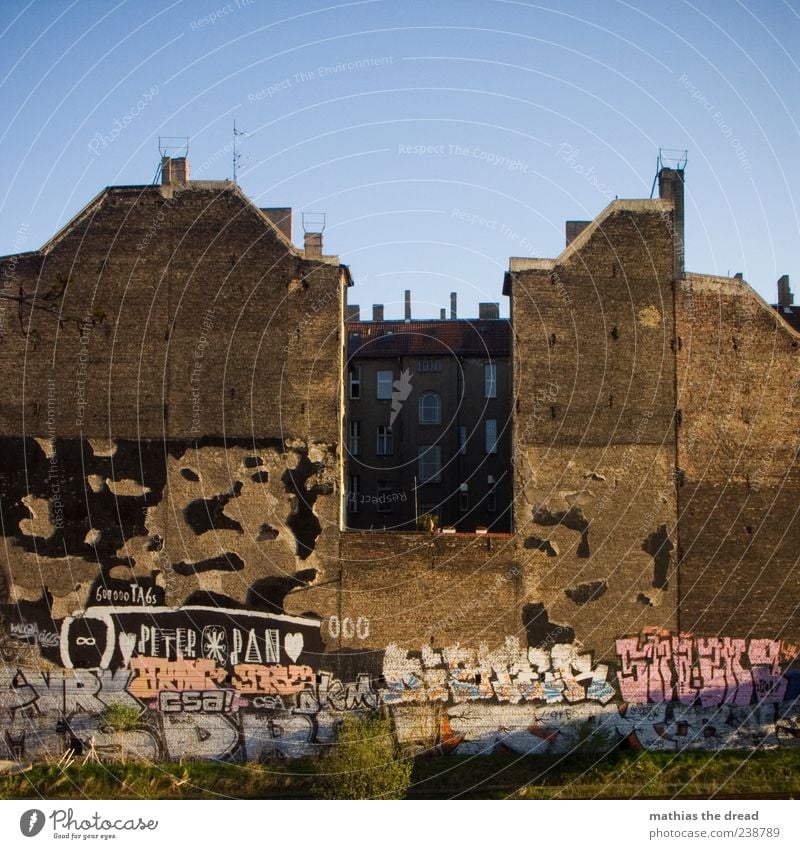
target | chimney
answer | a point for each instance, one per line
(574, 229)
(453, 310)
(408, 305)
(738, 276)
(442, 314)
(377, 312)
(785, 296)
(281, 217)
(312, 243)
(670, 188)
(488, 311)
(353, 312)
(174, 172)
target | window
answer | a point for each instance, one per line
(429, 365)
(462, 439)
(353, 493)
(355, 438)
(490, 380)
(385, 379)
(355, 382)
(385, 443)
(463, 497)
(491, 436)
(491, 498)
(430, 408)
(384, 497)
(430, 464)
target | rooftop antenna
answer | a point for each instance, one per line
(314, 222)
(669, 157)
(171, 147)
(236, 156)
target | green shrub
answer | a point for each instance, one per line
(364, 763)
(121, 717)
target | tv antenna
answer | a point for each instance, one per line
(236, 155)
(669, 157)
(174, 147)
(314, 222)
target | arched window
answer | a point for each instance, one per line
(430, 408)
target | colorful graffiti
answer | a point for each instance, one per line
(209, 682)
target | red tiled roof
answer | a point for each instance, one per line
(434, 338)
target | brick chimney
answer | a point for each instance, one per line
(488, 311)
(377, 312)
(785, 296)
(408, 305)
(312, 244)
(353, 312)
(453, 305)
(670, 188)
(281, 217)
(574, 229)
(442, 314)
(174, 172)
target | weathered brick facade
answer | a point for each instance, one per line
(171, 464)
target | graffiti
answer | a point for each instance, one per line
(511, 673)
(347, 628)
(29, 632)
(659, 668)
(109, 637)
(195, 701)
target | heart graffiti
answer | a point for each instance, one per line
(293, 645)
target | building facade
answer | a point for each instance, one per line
(429, 424)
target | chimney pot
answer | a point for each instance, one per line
(574, 229)
(377, 312)
(453, 305)
(785, 296)
(408, 305)
(174, 172)
(312, 243)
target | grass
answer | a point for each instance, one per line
(624, 775)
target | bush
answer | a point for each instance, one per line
(364, 763)
(121, 717)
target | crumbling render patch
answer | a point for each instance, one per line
(227, 562)
(543, 633)
(207, 514)
(545, 545)
(572, 519)
(303, 522)
(659, 546)
(585, 593)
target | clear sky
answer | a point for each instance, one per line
(439, 138)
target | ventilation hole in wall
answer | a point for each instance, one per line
(749, 529)
(302, 409)
(614, 333)
(610, 401)
(232, 392)
(613, 269)
(516, 406)
(552, 412)
(189, 475)
(552, 339)
(735, 343)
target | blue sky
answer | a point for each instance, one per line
(439, 138)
